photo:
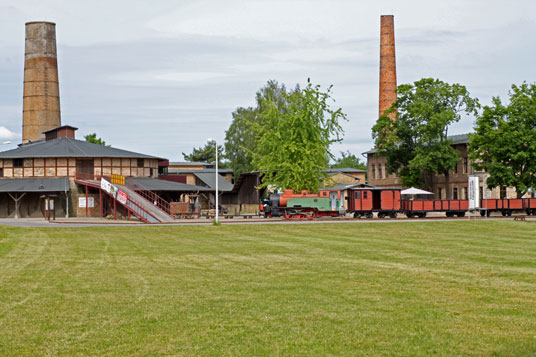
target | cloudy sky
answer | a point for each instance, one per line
(160, 77)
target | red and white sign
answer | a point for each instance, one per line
(122, 196)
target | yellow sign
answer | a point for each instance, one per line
(118, 179)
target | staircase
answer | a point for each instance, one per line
(148, 211)
(140, 205)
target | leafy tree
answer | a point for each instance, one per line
(241, 138)
(207, 154)
(504, 142)
(293, 142)
(348, 160)
(92, 138)
(416, 144)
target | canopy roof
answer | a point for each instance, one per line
(415, 191)
(49, 184)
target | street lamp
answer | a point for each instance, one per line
(216, 176)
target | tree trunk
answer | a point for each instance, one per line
(447, 184)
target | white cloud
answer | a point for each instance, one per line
(6, 134)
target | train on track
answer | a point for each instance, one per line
(385, 202)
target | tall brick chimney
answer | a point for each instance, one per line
(41, 101)
(387, 64)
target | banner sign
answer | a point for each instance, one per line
(473, 192)
(122, 197)
(108, 187)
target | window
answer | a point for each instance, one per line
(365, 194)
(373, 171)
(439, 193)
(464, 193)
(456, 168)
(140, 162)
(1, 172)
(455, 193)
(465, 165)
(481, 192)
(151, 172)
(357, 195)
(386, 171)
(17, 162)
(503, 192)
(380, 171)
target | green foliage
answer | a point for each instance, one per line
(504, 142)
(416, 144)
(207, 154)
(348, 160)
(241, 137)
(92, 138)
(293, 142)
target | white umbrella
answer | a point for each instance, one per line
(415, 191)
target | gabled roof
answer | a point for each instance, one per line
(34, 184)
(67, 147)
(210, 180)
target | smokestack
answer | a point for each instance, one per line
(387, 64)
(41, 101)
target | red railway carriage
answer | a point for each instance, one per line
(507, 206)
(362, 202)
(419, 208)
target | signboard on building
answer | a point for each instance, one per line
(82, 202)
(473, 192)
(122, 196)
(108, 187)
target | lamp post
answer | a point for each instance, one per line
(216, 177)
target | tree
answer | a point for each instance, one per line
(348, 160)
(293, 142)
(416, 144)
(206, 154)
(504, 142)
(92, 138)
(241, 138)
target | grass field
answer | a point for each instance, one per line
(441, 288)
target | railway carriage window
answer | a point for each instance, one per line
(358, 195)
(365, 194)
(373, 171)
(465, 165)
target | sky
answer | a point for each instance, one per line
(160, 77)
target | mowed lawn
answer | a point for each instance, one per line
(441, 288)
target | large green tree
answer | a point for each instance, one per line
(206, 154)
(504, 141)
(416, 143)
(241, 138)
(348, 160)
(293, 142)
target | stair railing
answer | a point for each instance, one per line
(148, 195)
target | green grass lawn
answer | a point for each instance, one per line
(440, 288)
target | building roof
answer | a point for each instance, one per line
(190, 163)
(153, 184)
(210, 180)
(44, 184)
(191, 171)
(456, 139)
(67, 147)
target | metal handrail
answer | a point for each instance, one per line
(143, 214)
(149, 195)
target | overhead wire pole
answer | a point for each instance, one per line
(217, 191)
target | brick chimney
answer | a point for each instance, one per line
(41, 101)
(387, 64)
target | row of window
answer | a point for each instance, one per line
(380, 171)
(20, 162)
